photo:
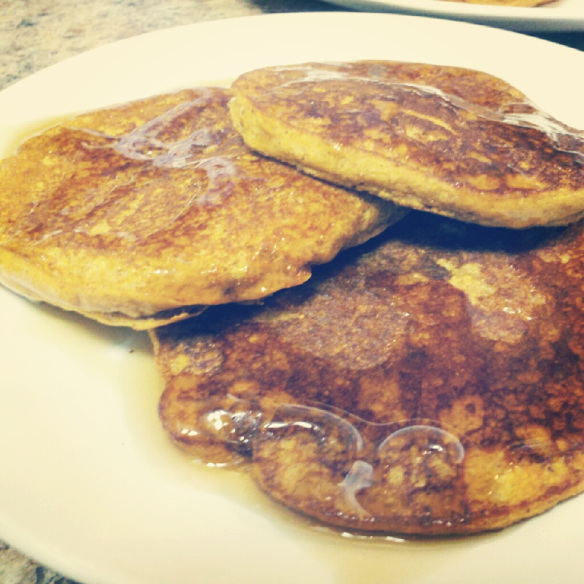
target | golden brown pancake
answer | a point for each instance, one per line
(430, 383)
(143, 213)
(453, 141)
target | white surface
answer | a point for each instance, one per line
(88, 483)
(562, 15)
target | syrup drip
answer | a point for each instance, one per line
(144, 143)
(359, 478)
(358, 449)
(138, 182)
(522, 115)
(434, 439)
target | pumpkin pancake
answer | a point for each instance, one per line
(449, 140)
(430, 383)
(144, 213)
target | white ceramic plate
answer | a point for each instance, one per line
(562, 15)
(89, 484)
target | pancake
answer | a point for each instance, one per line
(453, 141)
(146, 212)
(430, 383)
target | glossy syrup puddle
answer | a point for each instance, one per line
(351, 558)
(14, 136)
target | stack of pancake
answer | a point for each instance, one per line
(429, 380)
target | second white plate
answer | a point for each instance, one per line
(562, 15)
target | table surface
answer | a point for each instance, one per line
(35, 34)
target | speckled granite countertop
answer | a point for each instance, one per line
(37, 33)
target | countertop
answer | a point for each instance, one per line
(35, 34)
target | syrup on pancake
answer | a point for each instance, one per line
(430, 384)
(144, 213)
(453, 141)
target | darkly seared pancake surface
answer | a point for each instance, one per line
(455, 141)
(431, 385)
(140, 214)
